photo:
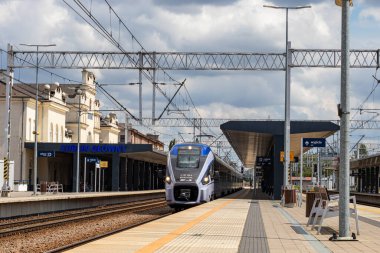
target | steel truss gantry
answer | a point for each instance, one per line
(212, 122)
(326, 58)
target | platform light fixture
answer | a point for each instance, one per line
(35, 132)
(287, 92)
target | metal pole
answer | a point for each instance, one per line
(36, 117)
(36, 132)
(126, 133)
(301, 172)
(7, 128)
(9, 85)
(96, 166)
(140, 86)
(99, 178)
(287, 110)
(102, 179)
(84, 174)
(344, 193)
(78, 144)
(318, 169)
(154, 89)
(287, 93)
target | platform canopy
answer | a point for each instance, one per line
(152, 156)
(250, 139)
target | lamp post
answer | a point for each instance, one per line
(78, 92)
(36, 116)
(287, 92)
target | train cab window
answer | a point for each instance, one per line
(188, 157)
(212, 170)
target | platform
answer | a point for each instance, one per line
(25, 203)
(243, 222)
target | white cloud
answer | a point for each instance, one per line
(237, 26)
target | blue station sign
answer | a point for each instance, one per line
(92, 160)
(93, 148)
(46, 153)
(314, 142)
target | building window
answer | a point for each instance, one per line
(62, 134)
(30, 130)
(56, 133)
(89, 137)
(51, 132)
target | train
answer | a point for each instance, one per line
(195, 175)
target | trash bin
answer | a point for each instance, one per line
(43, 187)
(290, 198)
(310, 197)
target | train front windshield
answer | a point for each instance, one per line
(188, 157)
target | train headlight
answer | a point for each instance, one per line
(205, 180)
(168, 180)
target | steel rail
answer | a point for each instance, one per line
(43, 223)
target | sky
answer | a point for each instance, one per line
(208, 26)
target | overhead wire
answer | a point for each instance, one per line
(374, 86)
(117, 44)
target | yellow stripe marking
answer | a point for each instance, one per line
(369, 210)
(174, 234)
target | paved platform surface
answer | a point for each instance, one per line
(29, 196)
(243, 222)
(25, 203)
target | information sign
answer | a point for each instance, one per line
(314, 142)
(291, 154)
(92, 159)
(103, 164)
(46, 153)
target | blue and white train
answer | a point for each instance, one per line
(196, 175)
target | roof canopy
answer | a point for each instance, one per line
(250, 139)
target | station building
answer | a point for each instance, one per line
(135, 161)
(365, 172)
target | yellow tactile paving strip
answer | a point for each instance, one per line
(169, 233)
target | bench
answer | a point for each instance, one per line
(326, 206)
(54, 187)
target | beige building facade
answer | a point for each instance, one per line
(61, 108)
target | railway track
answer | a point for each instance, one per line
(97, 237)
(37, 223)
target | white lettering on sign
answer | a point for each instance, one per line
(185, 177)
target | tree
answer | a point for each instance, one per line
(363, 150)
(171, 144)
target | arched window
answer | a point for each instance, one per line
(51, 132)
(56, 132)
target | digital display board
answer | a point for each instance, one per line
(188, 151)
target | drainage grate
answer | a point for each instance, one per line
(299, 230)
